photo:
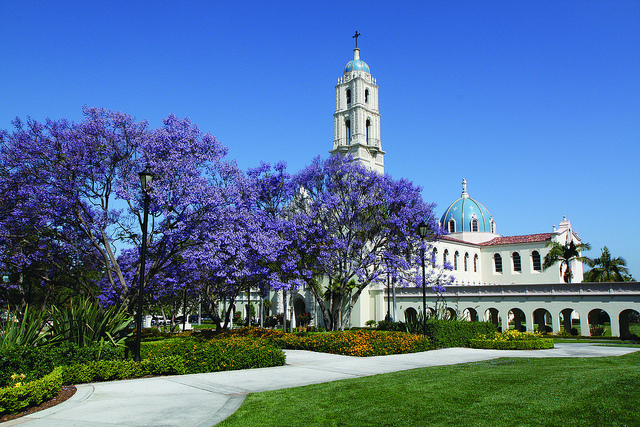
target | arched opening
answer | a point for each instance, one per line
(300, 312)
(367, 129)
(475, 263)
(347, 124)
(474, 224)
(570, 321)
(348, 96)
(543, 321)
(599, 323)
(517, 265)
(470, 314)
(450, 314)
(452, 226)
(466, 261)
(491, 315)
(445, 256)
(410, 315)
(535, 260)
(629, 324)
(455, 260)
(497, 263)
(517, 320)
(366, 96)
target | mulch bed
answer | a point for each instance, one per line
(66, 392)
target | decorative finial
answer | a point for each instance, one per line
(464, 188)
(357, 34)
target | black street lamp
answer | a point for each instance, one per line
(146, 176)
(423, 230)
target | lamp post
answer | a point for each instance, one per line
(146, 176)
(422, 232)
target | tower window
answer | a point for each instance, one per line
(366, 96)
(493, 226)
(452, 226)
(475, 263)
(535, 258)
(517, 266)
(474, 224)
(368, 127)
(348, 130)
(497, 262)
(348, 96)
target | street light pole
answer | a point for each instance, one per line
(146, 177)
(422, 232)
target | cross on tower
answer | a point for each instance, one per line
(357, 34)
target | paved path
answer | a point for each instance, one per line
(207, 399)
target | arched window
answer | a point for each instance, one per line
(466, 261)
(348, 130)
(535, 259)
(517, 266)
(474, 224)
(497, 262)
(368, 127)
(452, 226)
(455, 260)
(366, 96)
(348, 96)
(475, 263)
(445, 255)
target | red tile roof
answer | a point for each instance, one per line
(509, 240)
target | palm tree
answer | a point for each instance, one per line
(606, 269)
(564, 254)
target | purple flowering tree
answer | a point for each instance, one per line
(353, 227)
(80, 183)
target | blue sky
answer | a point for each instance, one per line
(535, 103)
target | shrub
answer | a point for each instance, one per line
(13, 399)
(455, 333)
(512, 340)
(36, 362)
(386, 325)
(596, 330)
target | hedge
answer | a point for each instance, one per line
(456, 333)
(13, 399)
(539, 344)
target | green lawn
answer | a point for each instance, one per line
(503, 392)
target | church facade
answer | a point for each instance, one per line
(477, 254)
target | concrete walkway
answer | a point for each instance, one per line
(207, 399)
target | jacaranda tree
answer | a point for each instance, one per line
(352, 227)
(79, 183)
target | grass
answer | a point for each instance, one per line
(503, 392)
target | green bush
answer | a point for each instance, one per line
(13, 399)
(455, 333)
(386, 325)
(36, 362)
(596, 330)
(539, 344)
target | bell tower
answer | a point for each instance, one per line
(357, 118)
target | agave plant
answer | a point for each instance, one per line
(22, 332)
(84, 322)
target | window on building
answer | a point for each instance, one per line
(474, 224)
(445, 255)
(466, 262)
(452, 226)
(368, 127)
(366, 96)
(348, 96)
(493, 226)
(497, 261)
(348, 130)
(455, 260)
(475, 263)
(517, 266)
(535, 258)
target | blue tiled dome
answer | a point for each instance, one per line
(356, 64)
(464, 211)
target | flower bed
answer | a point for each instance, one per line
(512, 340)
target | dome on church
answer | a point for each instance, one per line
(356, 64)
(468, 215)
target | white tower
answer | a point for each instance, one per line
(357, 118)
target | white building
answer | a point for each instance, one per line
(478, 254)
